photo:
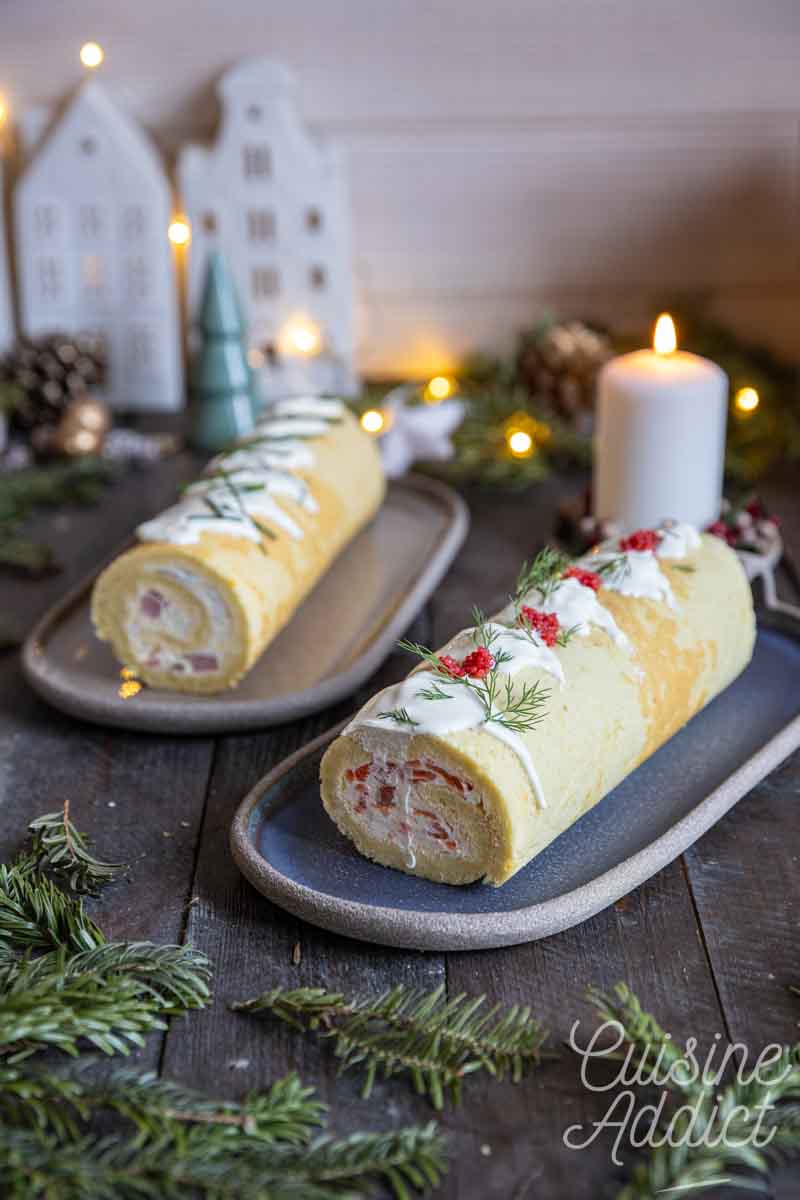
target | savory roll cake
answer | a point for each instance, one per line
(219, 574)
(499, 741)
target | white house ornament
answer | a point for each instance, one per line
(416, 432)
(274, 200)
(91, 212)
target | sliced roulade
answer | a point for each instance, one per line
(219, 574)
(498, 742)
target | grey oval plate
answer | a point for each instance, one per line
(396, 563)
(285, 844)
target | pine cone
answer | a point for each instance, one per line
(47, 373)
(559, 365)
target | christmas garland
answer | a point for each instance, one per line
(531, 413)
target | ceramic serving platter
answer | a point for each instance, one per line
(289, 849)
(364, 603)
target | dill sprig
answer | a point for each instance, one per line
(434, 1040)
(517, 711)
(60, 846)
(542, 574)
(400, 716)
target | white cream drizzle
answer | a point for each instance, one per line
(291, 427)
(260, 456)
(577, 608)
(638, 575)
(260, 468)
(308, 406)
(678, 539)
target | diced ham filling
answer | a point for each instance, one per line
(383, 794)
(153, 611)
(151, 604)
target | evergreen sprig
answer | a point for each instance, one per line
(713, 1122)
(35, 914)
(434, 1040)
(61, 847)
(111, 996)
(194, 1162)
(62, 1103)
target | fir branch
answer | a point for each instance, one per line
(111, 996)
(36, 915)
(642, 1031)
(713, 1124)
(50, 1101)
(435, 1041)
(60, 846)
(172, 1167)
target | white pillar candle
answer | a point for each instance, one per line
(660, 436)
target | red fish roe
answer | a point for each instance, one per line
(451, 666)
(721, 530)
(478, 664)
(641, 539)
(589, 579)
(545, 624)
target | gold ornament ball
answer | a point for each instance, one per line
(82, 429)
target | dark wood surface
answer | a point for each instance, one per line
(710, 944)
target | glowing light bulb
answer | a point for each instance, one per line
(301, 336)
(179, 232)
(520, 443)
(439, 388)
(372, 420)
(665, 340)
(92, 55)
(746, 400)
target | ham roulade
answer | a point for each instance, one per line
(497, 743)
(218, 575)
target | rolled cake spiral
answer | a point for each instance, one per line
(219, 574)
(493, 746)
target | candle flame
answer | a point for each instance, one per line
(665, 339)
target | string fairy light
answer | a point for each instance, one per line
(746, 400)
(301, 336)
(520, 443)
(437, 389)
(373, 421)
(92, 55)
(179, 231)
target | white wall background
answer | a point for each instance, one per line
(505, 157)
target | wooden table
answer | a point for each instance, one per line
(710, 944)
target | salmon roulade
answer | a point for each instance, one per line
(499, 741)
(217, 576)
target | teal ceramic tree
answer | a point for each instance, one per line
(222, 383)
